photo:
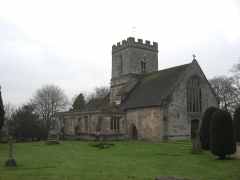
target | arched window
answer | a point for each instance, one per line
(99, 124)
(79, 124)
(115, 123)
(194, 95)
(86, 123)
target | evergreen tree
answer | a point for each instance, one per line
(222, 140)
(26, 125)
(2, 112)
(79, 103)
(205, 128)
(236, 120)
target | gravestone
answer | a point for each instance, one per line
(54, 132)
(195, 137)
(53, 137)
(11, 162)
(196, 144)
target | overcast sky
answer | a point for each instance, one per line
(68, 43)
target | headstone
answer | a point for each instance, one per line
(53, 137)
(54, 132)
(195, 137)
(11, 162)
(196, 144)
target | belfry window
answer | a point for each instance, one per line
(143, 66)
(120, 64)
(194, 95)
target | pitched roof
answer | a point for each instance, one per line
(153, 88)
(97, 103)
(101, 104)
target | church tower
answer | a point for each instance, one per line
(130, 59)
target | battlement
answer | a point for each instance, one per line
(130, 42)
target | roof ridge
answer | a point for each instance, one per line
(176, 66)
(155, 72)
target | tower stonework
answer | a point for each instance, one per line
(131, 58)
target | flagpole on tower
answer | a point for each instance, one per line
(133, 33)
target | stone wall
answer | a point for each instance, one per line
(126, 64)
(75, 123)
(121, 86)
(148, 121)
(127, 57)
(179, 120)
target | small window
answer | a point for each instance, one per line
(79, 120)
(115, 123)
(72, 123)
(86, 123)
(99, 124)
(79, 124)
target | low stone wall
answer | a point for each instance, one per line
(96, 136)
(179, 137)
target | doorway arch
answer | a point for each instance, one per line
(133, 132)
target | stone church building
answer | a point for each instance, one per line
(144, 102)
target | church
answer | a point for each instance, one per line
(144, 103)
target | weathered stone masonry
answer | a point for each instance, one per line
(148, 103)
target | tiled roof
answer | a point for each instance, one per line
(154, 88)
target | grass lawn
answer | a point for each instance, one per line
(73, 160)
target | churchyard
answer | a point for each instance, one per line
(125, 160)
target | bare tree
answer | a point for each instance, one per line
(9, 110)
(226, 91)
(236, 75)
(236, 69)
(98, 93)
(47, 101)
(102, 92)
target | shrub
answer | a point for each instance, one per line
(25, 125)
(222, 140)
(236, 120)
(205, 128)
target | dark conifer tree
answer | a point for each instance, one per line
(236, 122)
(222, 140)
(2, 112)
(205, 128)
(26, 125)
(79, 103)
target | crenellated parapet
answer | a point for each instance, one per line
(130, 42)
